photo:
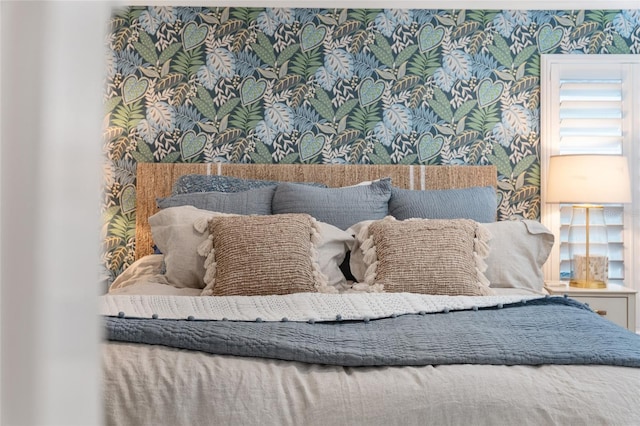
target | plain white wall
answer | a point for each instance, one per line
(52, 63)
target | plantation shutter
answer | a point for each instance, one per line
(591, 115)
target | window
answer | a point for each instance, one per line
(591, 105)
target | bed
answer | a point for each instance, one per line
(391, 339)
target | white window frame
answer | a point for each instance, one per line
(551, 70)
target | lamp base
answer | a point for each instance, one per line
(587, 284)
(589, 271)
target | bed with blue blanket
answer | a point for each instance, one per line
(267, 305)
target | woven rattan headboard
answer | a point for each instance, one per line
(156, 180)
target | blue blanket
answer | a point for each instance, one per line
(552, 330)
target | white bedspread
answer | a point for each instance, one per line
(152, 385)
(294, 307)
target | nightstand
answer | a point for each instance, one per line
(616, 303)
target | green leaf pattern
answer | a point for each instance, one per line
(262, 85)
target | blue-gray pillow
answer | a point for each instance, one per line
(340, 207)
(253, 201)
(477, 203)
(215, 183)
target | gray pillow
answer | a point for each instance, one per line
(517, 251)
(478, 203)
(215, 183)
(340, 207)
(253, 201)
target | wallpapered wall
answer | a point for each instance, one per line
(195, 84)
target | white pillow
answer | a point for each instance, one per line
(517, 252)
(173, 233)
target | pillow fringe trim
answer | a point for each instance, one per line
(206, 250)
(480, 252)
(370, 258)
(321, 281)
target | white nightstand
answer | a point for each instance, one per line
(616, 303)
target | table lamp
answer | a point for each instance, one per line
(588, 181)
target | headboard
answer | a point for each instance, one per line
(156, 180)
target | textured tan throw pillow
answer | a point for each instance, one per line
(428, 256)
(262, 255)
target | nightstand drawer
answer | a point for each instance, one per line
(614, 309)
(615, 302)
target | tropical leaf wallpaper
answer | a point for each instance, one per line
(268, 85)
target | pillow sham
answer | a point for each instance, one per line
(517, 252)
(262, 255)
(252, 201)
(444, 257)
(340, 207)
(216, 183)
(172, 231)
(477, 203)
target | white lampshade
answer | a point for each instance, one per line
(597, 179)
